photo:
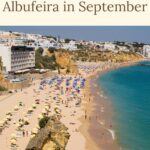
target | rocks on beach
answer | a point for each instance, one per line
(53, 136)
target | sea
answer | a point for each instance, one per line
(128, 89)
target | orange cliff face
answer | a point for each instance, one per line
(3, 81)
(64, 60)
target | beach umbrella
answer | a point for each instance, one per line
(57, 110)
(34, 106)
(32, 136)
(8, 117)
(20, 103)
(18, 125)
(2, 123)
(30, 109)
(16, 108)
(34, 130)
(9, 114)
(46, 107)
(13, 141)
(40, 116)
(5, 120)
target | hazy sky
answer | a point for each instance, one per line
(96, 33)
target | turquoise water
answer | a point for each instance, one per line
(129, 92)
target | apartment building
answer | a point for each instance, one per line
(146, 50)
(16, 58)
(109, 46)
(70, 46)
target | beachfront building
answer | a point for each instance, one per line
(16, 58)
(146, 50)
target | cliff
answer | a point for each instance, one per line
(3, 83)
(53, 136)
(106, 56)
(65, 61)
(62, 59)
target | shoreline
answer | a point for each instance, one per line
(97, 126)
(84, 122)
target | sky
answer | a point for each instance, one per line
(95, 33)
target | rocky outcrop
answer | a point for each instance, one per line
(65, 61)
(53, 136)
(3, 83)
(59, 59)
(6, 84)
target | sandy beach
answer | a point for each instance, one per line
(50, 94)
(89, 123)
(97, 124)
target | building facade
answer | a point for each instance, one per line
(146, 50)
(109, 46)
(16, 58)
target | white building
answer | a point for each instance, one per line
(146, 50)
(15, 58)
(3, 33)
(70, 46)
(122, 48)
(109, 46)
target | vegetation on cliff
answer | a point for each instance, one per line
(3, 82)
(95, 56)
(44, 62)
(2, 88)
(43, 122)
(55, 59)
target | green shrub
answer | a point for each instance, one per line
(2, 88)
(43, 122)
(46, 62)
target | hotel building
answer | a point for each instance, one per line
(16, 58)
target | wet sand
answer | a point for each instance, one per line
(97, 120)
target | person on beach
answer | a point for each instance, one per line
(27, 133)
(89, 118)
(89, 99)
(96, 117)
(85, 116)
(23, 133)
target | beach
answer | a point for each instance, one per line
(49, 99)
(97, 124)
(89, 122)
